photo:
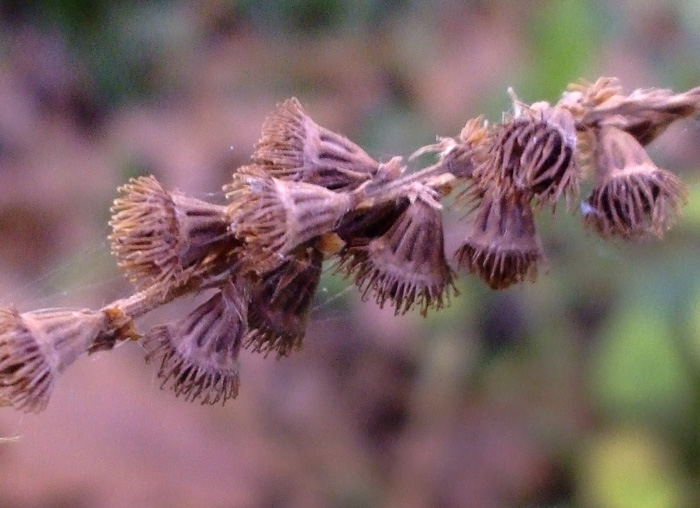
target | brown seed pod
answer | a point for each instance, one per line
(406, 265)
(503, 247)
(165, 238)
(281, 303)
(198, 355)
(294, 147)
(35, 347)
(533, 152)
(272, 217)
(632, 198)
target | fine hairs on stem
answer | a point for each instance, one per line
(311, 195)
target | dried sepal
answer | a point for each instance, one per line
(281, 303)
(632, 198)
(165, 238)
(533, 152)
(35, 347)
(294, 147)
(272, 217)
(198, 355)
(644, 113)
(503, 246)
(405, 266)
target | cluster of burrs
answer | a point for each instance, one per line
(310, 195)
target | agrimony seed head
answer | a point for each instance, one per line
(165, 238)
(503, 246)
(632, 198)
(35, 347)
(281, 302)
(294, 147)
(198, 355)
(272, 217)
(533, 153)
(405, 265)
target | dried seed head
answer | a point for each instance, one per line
(583, 96)
(37, 346)
(632, 198)
(198, 355)
(406, 265)
(165, 238)
(460, 156)
(533, 152)
(293, 147)
(273, 216)
(281, 303)
(644, 113)
(503, 247)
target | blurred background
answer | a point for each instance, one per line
(582, 389)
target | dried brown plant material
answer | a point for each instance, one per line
(272, 217)
(460, 156)
(312, 194)
(533, 152)
(294, 147)
(281, 303)
(632, 198)
(582, 96)
(406, 265)
(198, 355)
(362, 224)
(644, 113)
(35, 347)
(503, 247)
(165, 238)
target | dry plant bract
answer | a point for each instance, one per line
(311, 195)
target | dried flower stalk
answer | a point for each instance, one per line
(311, 194)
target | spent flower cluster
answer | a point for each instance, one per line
(310, 195)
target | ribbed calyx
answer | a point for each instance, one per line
(198, 355)
(281, 302)
(35, 347)
(294, 147)
(272, 217)
(534, 152)
(632, 197)
(503, 246)
(405, 265)
(164, 239)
